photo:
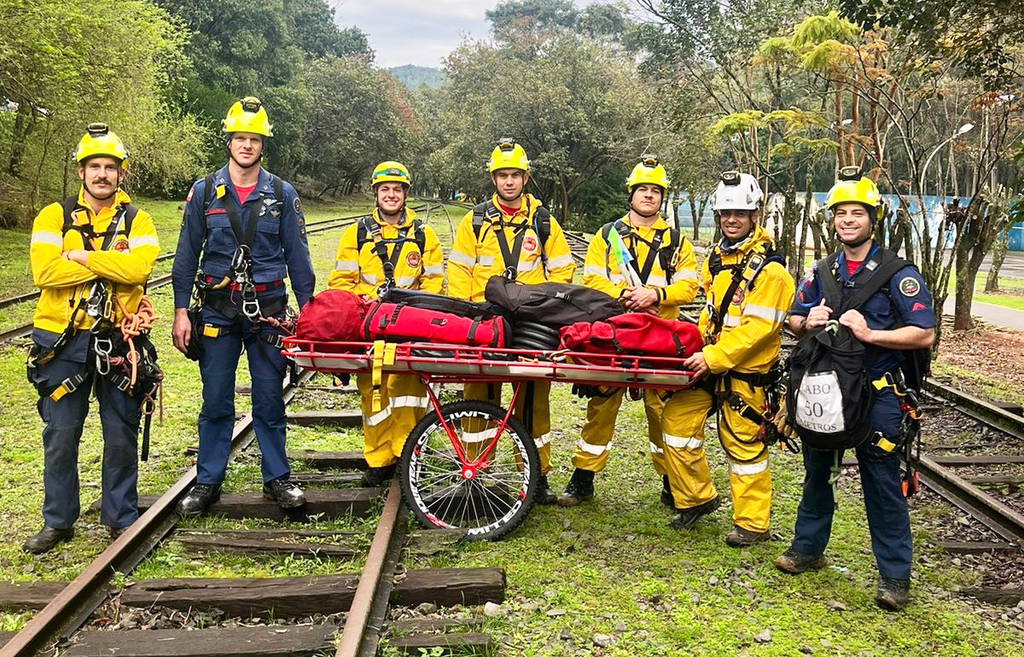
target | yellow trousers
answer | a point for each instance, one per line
(689, 477)
(541, 411)
(403, 402)
(596, 441)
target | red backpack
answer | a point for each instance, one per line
(401, 323)
(332, 316)
(634, 333)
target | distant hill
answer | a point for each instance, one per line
(414, 77)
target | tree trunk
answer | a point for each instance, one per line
(998, 255)
(695, 215)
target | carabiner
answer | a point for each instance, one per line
(103, 348)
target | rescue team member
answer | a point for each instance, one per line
(511, 235)
(904, 303)
(661, 277)
(391, 248)
(90, 256)
(247, 224)
(748, 294)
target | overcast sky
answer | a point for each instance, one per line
(420, 32)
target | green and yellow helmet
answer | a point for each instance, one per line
(508, 155)
(648, 172)
(853, 188)
(390, 171)
(247, 115)
(98, 140)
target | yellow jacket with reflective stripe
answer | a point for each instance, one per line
(473, 260)
(126, 265)
(601, 269)
(358, 269)
(750, 338)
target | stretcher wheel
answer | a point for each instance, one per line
(487, 501)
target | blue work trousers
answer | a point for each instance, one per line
(888, 516)
(217, 366)
(64, 420)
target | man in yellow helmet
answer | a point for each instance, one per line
(512, 234)
(91, 255)
(390, 249)
(242, 234)
(658, 276)
(748, 294)
(897, 317)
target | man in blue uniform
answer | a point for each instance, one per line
(248, 227)
(897, 318)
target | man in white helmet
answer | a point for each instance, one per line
(748, 294)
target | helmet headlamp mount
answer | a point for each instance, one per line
(850, 173)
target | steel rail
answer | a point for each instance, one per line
(977, 408)
(1004, 521)
(359, 636)
(73, 605)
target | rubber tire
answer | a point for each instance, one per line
(515, 430)
(531, 345)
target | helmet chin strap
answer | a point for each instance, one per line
(854, 245)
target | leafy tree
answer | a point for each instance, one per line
(65, 64)
(357, 117)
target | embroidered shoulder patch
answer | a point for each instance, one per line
(909, 287)
(297, 206)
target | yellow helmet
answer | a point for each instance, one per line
(648, 172)
(508, 155)
(99, 140)
(247, 115)
(390, 171)
(852, 188)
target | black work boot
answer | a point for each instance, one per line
(740, 537)
(794, 562)
(579, 489)
(666, 493)
(544, 493)
(892, 594)
(377, 477)
(198, 500)
(286, 493)
(685, 518)
(46, 539)
(115, 532)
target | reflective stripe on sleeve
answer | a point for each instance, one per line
(42, 237)
(685, 274)
(656, 449)
(433, 270)
(594, 270)
(368, 278)
(144, 240)
(560, 261)
(462, 258)
(405, 281)
(764, 312)
(527, 265)
(409, 401)
(657, 280)
(346, 265)
(731, 320)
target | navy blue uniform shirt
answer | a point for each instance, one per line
(906, 296)
(279, 248)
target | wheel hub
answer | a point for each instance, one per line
(468, 473)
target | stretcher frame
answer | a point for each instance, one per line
(442, 363)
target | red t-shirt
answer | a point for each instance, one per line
(243, 192)
(509, 211)
(852, 265)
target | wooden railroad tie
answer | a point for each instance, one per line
(283, 597)
(276, 641)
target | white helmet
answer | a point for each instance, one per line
(737, 191)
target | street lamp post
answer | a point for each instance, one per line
(962, 130)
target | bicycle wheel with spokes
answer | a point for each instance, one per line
(488, 499)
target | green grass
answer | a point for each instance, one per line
(1011, 293)
(609, 562)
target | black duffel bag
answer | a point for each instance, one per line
(550, 304)
(441, 303)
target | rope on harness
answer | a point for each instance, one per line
(132, 325)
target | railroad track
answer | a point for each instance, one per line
(577, 245)
(363, 597)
